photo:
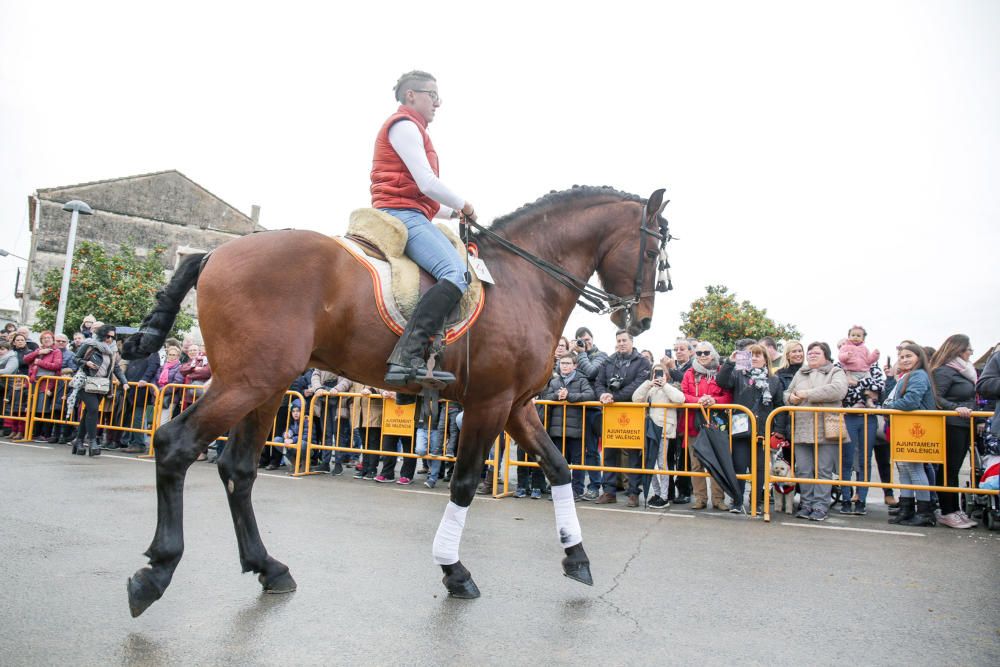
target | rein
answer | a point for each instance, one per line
(594, 299)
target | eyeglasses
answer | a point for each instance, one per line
(703, 353)
(110, 336)
(435, 98)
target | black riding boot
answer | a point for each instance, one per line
(924, 515)
(407, 363)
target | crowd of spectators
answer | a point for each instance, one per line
(759, 375)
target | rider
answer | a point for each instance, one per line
(405, 184)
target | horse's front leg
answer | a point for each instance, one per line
(525, 427)
(474, 441)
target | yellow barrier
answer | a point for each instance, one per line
(17, 405)
(645, 469)
(175, 398)
(321, 438)
(117, 413)
(919, 447)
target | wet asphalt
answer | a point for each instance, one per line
(670, 586)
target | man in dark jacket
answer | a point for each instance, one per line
(988, 387)
(589, 361)
(570, 386)
(617, 380)
(138, 397)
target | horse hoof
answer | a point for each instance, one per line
(576, 565)
(459, 583)
(141, 592)
(282, 583)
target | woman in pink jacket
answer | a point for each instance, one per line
(699, 386)
(42, 363)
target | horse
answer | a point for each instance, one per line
(308, 278)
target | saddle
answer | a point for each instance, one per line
(377, 241)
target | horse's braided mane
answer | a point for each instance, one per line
(556, 197)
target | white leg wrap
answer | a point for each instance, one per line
(567, 525)
(449, 534)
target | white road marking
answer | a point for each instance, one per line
(636, 512)
(855, 530)
(24, 444)
(128, 458)
(439, 493)
(271, 474)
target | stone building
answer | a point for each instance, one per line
(163, 208)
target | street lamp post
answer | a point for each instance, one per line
(4, 253)
(77, 207)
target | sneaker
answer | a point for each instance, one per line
(404, 481)
(699, 505)
(681, 500)
(606, 499)
(721, 506)
(423, 471)
(429, 484)
(338, 469)
(370, 476)
(954, 520)
(860, 509)
(382, 479)
(735, 509)
(520, 493)
(818, 515)
(536, 494)
(359, 474)
(657, 501)
(577, 498)
(969, 520)
(804, 513)
(589, 495)
(847, 508)
(633, 500)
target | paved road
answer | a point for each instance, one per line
(707, 587)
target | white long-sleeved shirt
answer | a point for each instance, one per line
(408, 143)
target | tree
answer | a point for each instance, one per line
(116, 289)
(719, 319)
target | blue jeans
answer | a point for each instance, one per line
(592, 456)
(913, 473)
(864, 446)
(430, 248)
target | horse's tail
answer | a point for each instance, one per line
(154, 329)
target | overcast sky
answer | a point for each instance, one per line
(835, 164)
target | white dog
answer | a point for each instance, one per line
(784, 494)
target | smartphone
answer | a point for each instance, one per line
(742, 360)
(658, 373)
(668, 353)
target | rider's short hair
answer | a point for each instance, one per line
(583, 330)
(407, 81)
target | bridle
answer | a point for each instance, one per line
(594, 299)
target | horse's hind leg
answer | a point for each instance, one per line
(238, 470)
(178, 444)
(525, 427)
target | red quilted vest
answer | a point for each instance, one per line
(392, 184)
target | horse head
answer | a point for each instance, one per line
(636, 267)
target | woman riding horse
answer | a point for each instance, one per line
(405, 185)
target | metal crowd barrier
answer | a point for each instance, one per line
(637, 414)
(396, 421)
(924, 438)
(118, 410)
(175, 398)
(17, 405)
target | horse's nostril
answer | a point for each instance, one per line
(646, 323)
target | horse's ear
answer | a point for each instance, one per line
(655, 204)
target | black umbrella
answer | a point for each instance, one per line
(652, 445)
(712, 449)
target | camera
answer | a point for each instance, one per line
(616, 382)
(658, 373)
(580, 343)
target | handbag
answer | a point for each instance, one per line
(833, 426)
(96, 385)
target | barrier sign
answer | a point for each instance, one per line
(624, 427)
(397, 419)
(917, 438)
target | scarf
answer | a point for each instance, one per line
(165, 373)
(965, 368)
(759, 379)
(707, 371)
(568, 378)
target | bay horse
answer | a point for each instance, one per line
(309, 279)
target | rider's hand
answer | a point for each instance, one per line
(469, 211)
